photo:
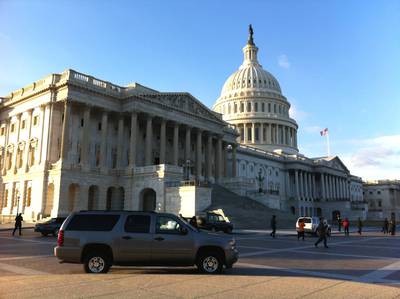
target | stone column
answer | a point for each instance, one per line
(27, 144)
(16, 148)
(301, 184)
(64, 134)
(42, 115)
(253, 133)
(306, 195)
(120, 141)
(187, 144)
(224, 159)
(163, 137)
(133, 140)
(85, 137)
(270, 133)
(234, 160)
(149, 141)
(261, 132)
(335, 183)
(103, 144)
(198, 154)
(276, 134)
(176, 144)
(296, 182)
(295, 138)
(218, 162)
(314, 193)
(245, 137)
(209, 157)
(286, 135)
(4, 166)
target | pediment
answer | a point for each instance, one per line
(185, 102)
(336, 163)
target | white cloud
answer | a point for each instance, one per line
(283, 61)
(374, 158)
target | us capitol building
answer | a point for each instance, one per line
(74, 142)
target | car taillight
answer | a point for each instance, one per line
(60, 239)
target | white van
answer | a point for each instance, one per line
(311, 224)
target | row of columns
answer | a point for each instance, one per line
(274, 134)
(334, 187)
(219, 144)
(305, 185)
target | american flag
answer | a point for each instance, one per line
(324, 132)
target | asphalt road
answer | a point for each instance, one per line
(356, 267)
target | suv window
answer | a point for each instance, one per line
(93, 222)
(307, 220)
(167, 225)
(137, 224)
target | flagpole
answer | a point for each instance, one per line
(328, 144)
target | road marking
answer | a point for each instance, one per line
(349, 255)
(21, 270)
(371, 246)
(300, 247)
(315, 273)
(382, 272)
(14, 258)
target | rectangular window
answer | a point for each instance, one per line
(12, 128)
(138, 224)
(5, 198)
(241, 134)
(93, 222)
(28, 196)
(248, 107)
(256, 134)
(23, 124)
(3, 131)
(36, 120)
(269, 107)
(241, 107)
(235, 108)
(99, 126)
(274, 108)
(263, 107)
(256, 107)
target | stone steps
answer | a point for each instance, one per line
(247, 213)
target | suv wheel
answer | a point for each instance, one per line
(210, 263)
(97, 263)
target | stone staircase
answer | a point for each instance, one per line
(246, 213)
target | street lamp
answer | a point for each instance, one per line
(18, 204)
(187, 166)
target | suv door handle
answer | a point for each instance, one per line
(126, 237)
(159, 239)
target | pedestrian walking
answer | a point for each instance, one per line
(359, 225)
(18, 224)
(322, 231)
(385, 227)
(392, 225)
(300, 229)
(273, 226)
(346, 226)
(339, 223)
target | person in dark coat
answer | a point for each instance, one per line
(18, 224)
(392, 225)
(359, 225)
(385, 227)
(346, 226)
(322, 231)
(339, 223)
(273, 226)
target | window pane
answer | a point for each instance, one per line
(137, 224)
(167, 225)
(93, 222)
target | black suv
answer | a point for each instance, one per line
(214, 222)
(50, 227)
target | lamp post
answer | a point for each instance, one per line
(18, 204)
(187, 166)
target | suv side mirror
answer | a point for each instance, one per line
(184, 230)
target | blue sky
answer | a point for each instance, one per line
(338, 62)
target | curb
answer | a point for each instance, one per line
(12, 228)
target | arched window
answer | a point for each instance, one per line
(234, 108)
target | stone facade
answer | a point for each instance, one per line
(383, 199)
(71, 142)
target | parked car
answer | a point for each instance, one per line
(51, 226)
(100, 239)
(311, 224)
(214, 222)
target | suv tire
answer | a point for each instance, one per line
(96, 263)
(210, 262)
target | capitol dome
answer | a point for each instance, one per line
(252, 100)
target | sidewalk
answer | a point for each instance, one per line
(10, 226)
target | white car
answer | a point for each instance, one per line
(311, 224)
